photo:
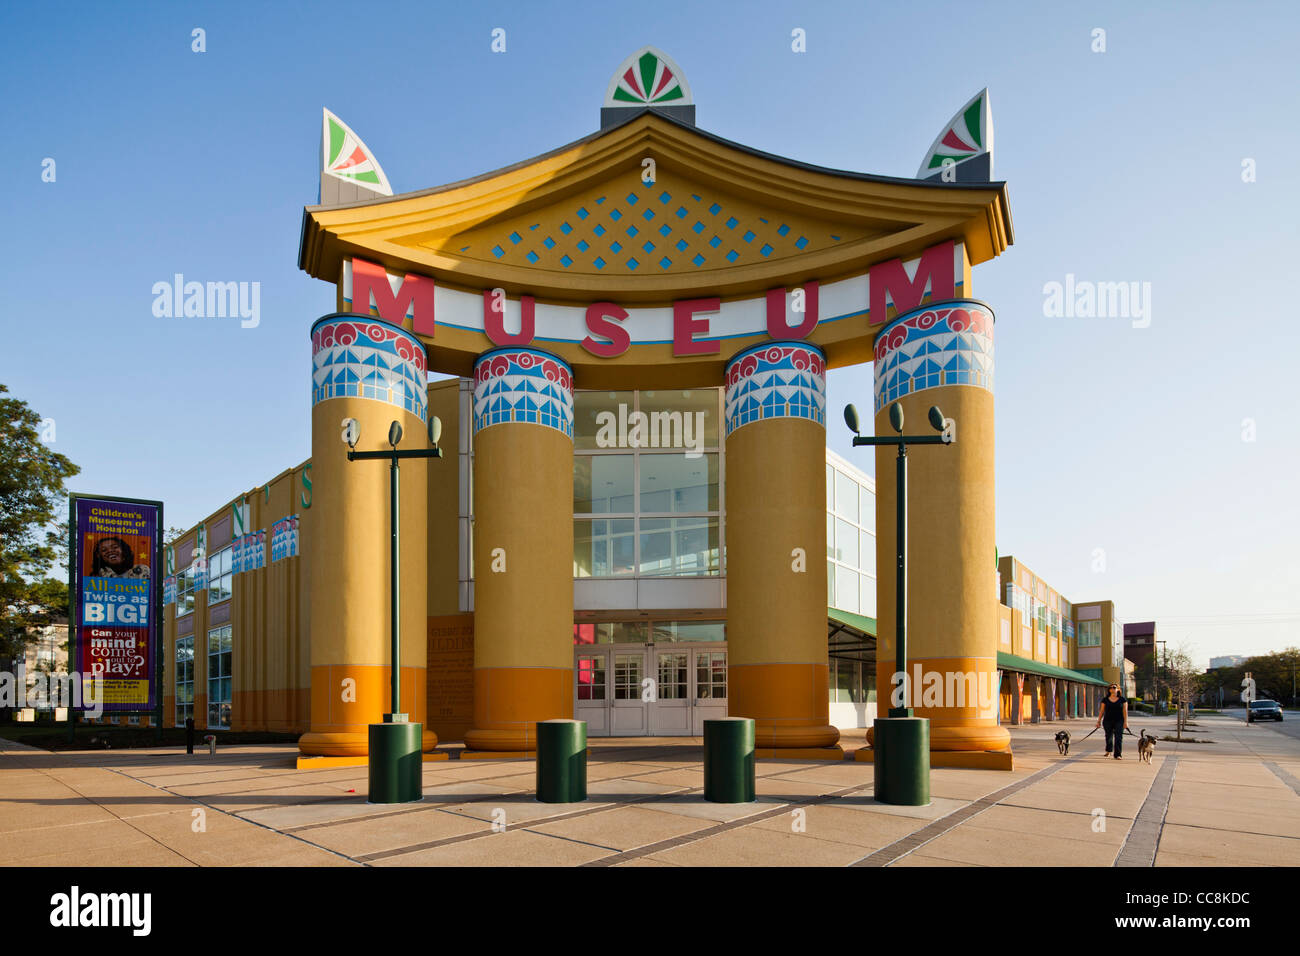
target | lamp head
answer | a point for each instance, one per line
(394, 433)
(851, 419)
(351, 432)
(435, 430)
(896, 417)
(936, 418)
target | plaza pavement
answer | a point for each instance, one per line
(1234, 801)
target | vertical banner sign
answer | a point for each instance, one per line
(284, 538)
(116, 565)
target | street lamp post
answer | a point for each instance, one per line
(901, 741)
(395, 746)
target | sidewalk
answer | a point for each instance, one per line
(1236, 800)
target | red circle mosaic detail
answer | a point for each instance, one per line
(502, 363)
(804, 359)
(968, 318)
(347, 331)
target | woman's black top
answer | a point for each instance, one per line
(1113, 712)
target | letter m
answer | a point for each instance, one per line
(891, 285)
(371, 289)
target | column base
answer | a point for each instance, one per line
(968, 759)
(787, 702)
(800, 753)
(509, 702)
(349, 743)
(992, 739)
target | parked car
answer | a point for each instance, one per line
(1264, 710)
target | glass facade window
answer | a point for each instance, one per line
(642, 632)
(220, 677)
(673, 674)
(711, 675)
(627, 676)
(846, 543)
(591, 677)
(692, 631)
(604, 547)
(604, 484)
(846, 496)
(678, 546)
(867, 509)
(185, 591)
(613, 632)
(850, 544)
(647, 484)
(847, 586)
(1090, 633)
(220, 578)
(851, 682)
(184, 679)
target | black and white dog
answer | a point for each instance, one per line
(1063, 741)
(1146, 747)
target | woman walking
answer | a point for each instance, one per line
(1114, 714)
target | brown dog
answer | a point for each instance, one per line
(1146, 747)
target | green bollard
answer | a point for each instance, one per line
(902, 761)
(729, 760)
(561, 761)
(396, 763)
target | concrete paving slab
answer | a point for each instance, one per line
(623, 828)
(694, 805)
(753, 846)
(938, 807)
(510, 848)
(987, 846)
(839, 824)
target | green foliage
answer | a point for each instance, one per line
(33, 540)
(1272, 674)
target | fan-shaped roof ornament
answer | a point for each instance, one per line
(648, 79)
(964, 147)
(349, 171)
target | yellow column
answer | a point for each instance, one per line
(523, 546)
(941, 355)
(777, 662)
(374, 372)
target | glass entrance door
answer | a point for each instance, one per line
(670, 713)
(628, 717)
(611, 692)
(591, 677)
(709, 670)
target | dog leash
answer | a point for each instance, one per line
(1095, 729)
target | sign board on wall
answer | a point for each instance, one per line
(451, 676)
(115, 591)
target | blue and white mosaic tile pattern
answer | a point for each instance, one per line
(523, 385)
(353, 357)
(776, 380)
(949, 343)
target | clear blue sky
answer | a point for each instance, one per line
(1122, 166)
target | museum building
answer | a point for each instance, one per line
(629, 338)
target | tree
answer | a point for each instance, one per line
(33, 541)
(1183, 682)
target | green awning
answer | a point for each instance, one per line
(1010, 662)
(867, 625)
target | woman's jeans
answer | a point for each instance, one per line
(1114, 737)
